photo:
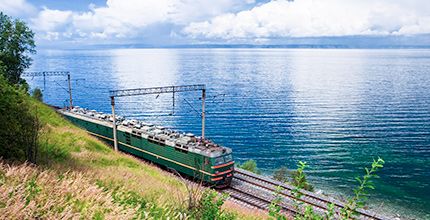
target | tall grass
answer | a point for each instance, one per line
(29, 192)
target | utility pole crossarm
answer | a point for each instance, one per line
(156, 90)
(53, 73)
(45, 73)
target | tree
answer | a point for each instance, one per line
(38, 95)
(19, 126)
(16, 43)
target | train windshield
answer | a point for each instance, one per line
(228, 158)
(219, 160)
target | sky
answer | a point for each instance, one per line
(79, 23)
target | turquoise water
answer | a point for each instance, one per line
(335, 109)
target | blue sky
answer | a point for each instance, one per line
(79, 23)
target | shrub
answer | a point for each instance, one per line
(281, 174)
(19, 127)
(275, 208)
(210, 207)
(295, 177)
(360, 193)
(298, 177)
(250, 165)
(203, 203)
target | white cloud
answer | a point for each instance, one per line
(121, 18)
(127, 18)
(51, 20)
(311, 18)
(16, 8)
(150, 21)
(52, 24)
(185, 11)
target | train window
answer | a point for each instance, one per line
(219, 160)
(228, 158)
(180, 150)
(137, 136)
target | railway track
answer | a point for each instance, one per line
(258, 191)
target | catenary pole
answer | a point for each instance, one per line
(70, 91)
(203, 112)
(115, 141)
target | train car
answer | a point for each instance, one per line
(187, 154)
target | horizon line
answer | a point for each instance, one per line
(233, 46)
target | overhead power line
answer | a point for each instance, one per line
(53, 73)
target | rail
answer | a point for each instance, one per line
(258, 191)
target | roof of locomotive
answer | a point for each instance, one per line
(184, 141)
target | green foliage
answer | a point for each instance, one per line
(295, 177)
(300, 183)
(37, 94)
(360, 193)
(129, 199)
(145, 208)
(281, 174)
(19, 127)
(10, 100)
(299, 177)
(275, 207)
(210, 207)
(32, 190)
(250, 165)
(330, 211)
(48, 116)
(2, 178)
(106, 162)
(50, 152)
(307, 212)
(299, 180)
(16, 43)
(97, 147)
(99, 216)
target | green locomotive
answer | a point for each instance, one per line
(187, 154)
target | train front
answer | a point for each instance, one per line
(222, 167)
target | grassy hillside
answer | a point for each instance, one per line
(78, 176)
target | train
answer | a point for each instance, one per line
(185, 153)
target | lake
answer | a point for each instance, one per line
(335, 109)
